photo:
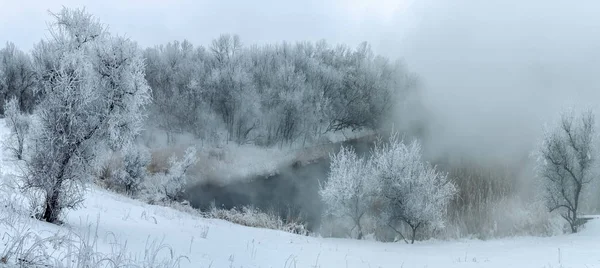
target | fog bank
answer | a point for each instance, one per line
(494, 71)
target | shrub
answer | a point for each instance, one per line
(18, 123)
(170, 185)
(132, 172)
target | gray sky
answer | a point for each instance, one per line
(152, 22)
(493, 71)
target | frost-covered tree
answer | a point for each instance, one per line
(414, 192)
(230, 88)
(350, 189)
(395, 185)
(94, 91)
(173, 71)
(18, 123)
(567, 164)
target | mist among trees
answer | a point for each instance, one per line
(88, 106)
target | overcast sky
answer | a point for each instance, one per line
(493, 71)
(152, 22)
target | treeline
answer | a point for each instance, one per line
(266, 95)
(271, 94)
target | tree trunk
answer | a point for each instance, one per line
(52, 209)
(360, 232)
(574, 225)
(414, 232)
(398, 232)
(574, 222)
(20, 147)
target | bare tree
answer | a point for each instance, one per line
(566, 162)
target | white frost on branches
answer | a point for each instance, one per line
(18, 123)
(394, 185)
(170, 185)
(94, 91)
(350, 189)
(415, 193)
(176, 177)
(133, 172)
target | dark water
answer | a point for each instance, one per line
(292, 193)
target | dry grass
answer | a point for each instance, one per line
(68, 249)
(253, 217)
(492, 203)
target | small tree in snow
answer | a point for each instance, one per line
(18, 123)
(348, 192)
(94, 91)
(566, 163)
(415, 193)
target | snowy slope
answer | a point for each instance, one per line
(216, 243)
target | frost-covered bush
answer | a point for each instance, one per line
(175, 180)
(170, 185)
(132, 173)
(18, 123)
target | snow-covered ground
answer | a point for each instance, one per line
(216, 243)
